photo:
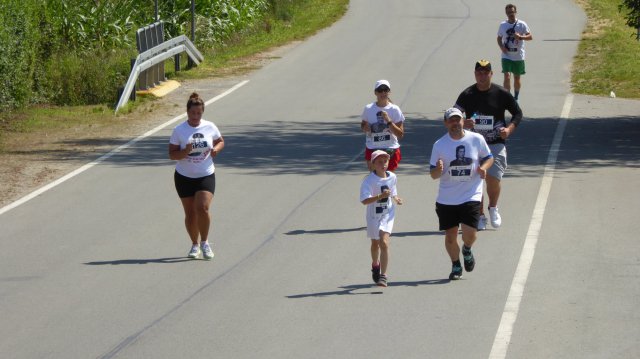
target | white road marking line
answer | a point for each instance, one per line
(512, 306)
(78, 171)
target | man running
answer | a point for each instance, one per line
(460, 188)
(485, 104)
(512, 34)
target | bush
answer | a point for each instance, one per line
(18, 49)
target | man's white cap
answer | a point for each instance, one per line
(381, 83)
(453, 111)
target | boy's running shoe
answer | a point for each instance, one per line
(456, 272)
(469, 260)
(207, 253)
(194, 252)
(375, 272)
(382, 281)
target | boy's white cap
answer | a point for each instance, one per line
(378, 153)
(381, 83)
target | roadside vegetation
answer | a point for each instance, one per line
(608, 56)
(61, 62)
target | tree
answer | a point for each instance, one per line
(633, 14)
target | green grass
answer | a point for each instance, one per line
(608, 56)
(301, 21)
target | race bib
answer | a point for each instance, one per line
(460, 173)
(381, 137)
(483, 123)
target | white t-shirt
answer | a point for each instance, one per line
(460, 181)
(515, 47)
(199, 162)
(381, 136)
(371, 186)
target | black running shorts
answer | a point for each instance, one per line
(451, 216)
(187, 186)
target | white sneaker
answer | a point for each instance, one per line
(207, 253)
(194, 252)
(482, 223)
(496, 221)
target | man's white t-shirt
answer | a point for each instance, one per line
(515, 47)
(199, 162)
(381, 136)
(460, 181)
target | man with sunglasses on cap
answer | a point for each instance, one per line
(512, 33)
(484, 104)
(460, 189)
(383, 124)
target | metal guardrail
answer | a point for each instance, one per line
(156, 55)
(146, 38)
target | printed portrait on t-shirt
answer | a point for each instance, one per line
(380, 129)
(460, 168)
(199, 144)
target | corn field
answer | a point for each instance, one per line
(72, 52)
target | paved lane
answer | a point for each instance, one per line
(96, 266)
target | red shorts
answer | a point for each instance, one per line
(394, 161)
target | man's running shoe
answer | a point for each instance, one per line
(375, 272)
(482, 223)
(382, 281)
(207, 253)
(194, 252)
(469, 261)
(496, 220)
(456, 272)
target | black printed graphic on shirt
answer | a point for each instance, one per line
(460, 168)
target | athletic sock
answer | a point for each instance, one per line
(466, 249)
(516, 93)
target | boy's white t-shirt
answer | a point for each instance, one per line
(199, 162)
(460, 181)
(371, 186)
(381, 136)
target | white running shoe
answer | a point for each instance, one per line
(496, 220)
(194, 252)
(482, 223)
(207, 253)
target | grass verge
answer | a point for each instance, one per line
(608, 54)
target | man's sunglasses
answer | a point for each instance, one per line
(383, 89)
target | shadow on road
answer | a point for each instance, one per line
(351, 289)
(141, 261)
(296, 147)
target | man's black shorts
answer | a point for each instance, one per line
(187, 186)
(451, 216)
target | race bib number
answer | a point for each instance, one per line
(460, 173)
(380, 137)
(483, 123)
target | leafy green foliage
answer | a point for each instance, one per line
(633, 12)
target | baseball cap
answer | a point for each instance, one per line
(453, 111)
(483, 64)
(375, 154)
(382, 83)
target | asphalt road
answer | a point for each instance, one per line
(96, 266)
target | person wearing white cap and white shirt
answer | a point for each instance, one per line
(376, 190)
(383, 124)
(460, 188)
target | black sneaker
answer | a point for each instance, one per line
(382, 281)
(469, 261)
(375, 273)
(456, 272)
